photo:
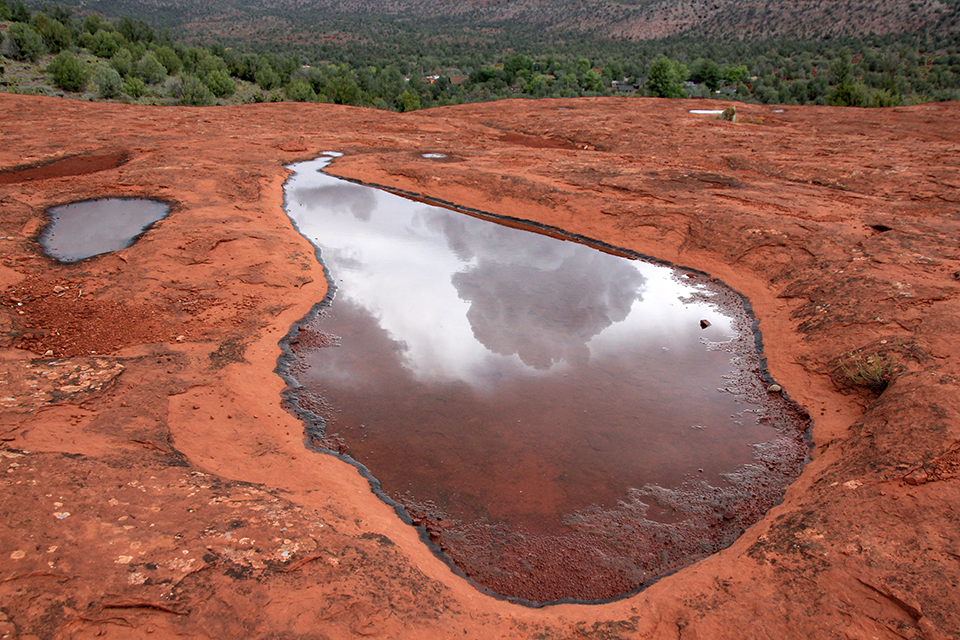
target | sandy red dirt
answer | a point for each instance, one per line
(153, 483)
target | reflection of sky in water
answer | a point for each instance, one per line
(466, 297)
(92, 227)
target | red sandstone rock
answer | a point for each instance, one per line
(163, 489)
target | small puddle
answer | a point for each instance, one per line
(706, 112)
(84, 229)
(564, 422)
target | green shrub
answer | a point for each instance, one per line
(69, 73)
(23, 43)
(408, 101)
(708, 73)
(735, 74)
(135, 30)
(266, 77)
(60, 13)
(883, 98)
(104, 44)
(301, 91)
(151, 68)
(767, 95)
(169, 59)
(873, 370)
(134, 87)
(108, 81)
(55, 35)
(210, 63)
(191, 57)
(92, 23)
(220, 84)
(592, 81)
(190, 91)
(344, 90)
(122, 61)
(18, 12)
(665, 78)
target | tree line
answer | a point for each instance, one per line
(401, 68)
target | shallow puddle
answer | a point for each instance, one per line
(84, 229)
(564, 422)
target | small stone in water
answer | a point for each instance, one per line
(704, 324)
(774, 388)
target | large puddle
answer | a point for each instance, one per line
(563, 421)
(92, 227)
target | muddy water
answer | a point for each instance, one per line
(564, 422)
(92, 227)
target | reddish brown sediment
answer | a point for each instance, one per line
(63, 167)
(158, 486)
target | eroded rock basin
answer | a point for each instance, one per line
(565, 423)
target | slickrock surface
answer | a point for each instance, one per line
(152, 483)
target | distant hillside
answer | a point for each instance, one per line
(615, 19)
(652, 19)
(233, 52)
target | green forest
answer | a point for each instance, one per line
(57, 51)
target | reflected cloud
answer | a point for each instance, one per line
(345, 258)
(470, 238)
(536, 297)
(340, 198)
(546, 317)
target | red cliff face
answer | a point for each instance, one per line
(154, 483)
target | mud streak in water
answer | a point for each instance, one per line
(554, 415)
